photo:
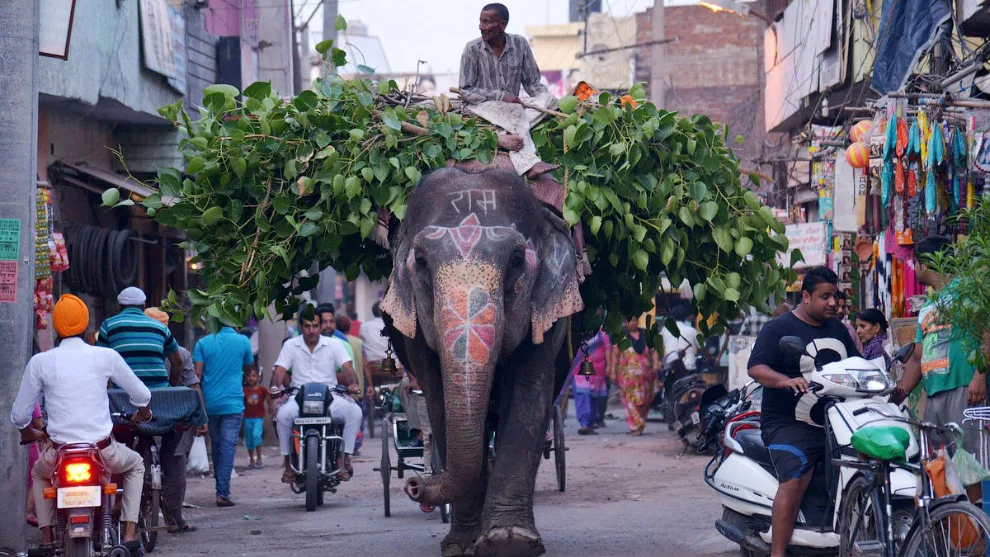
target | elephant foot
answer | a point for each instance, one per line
(514, 541)
(458, 544)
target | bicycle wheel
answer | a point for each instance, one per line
(558, 447)
(386, 466)
(150, 512)
(953, 529)
(858, 519)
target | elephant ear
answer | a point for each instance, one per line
(399, 302)
(556, 294)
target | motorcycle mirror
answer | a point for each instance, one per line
(792, 346)
(904, 353)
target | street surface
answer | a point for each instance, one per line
(625, 496)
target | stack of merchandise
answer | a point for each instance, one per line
(50, 257)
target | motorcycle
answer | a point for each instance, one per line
(719, 406)
(84, 498)
(683, 390)
(743, 474)
(316, 442)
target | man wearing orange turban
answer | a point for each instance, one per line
(72, 381)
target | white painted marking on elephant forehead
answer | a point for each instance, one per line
(466, 200)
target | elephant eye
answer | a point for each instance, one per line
(518, 259)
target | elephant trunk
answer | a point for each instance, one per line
(470, 318)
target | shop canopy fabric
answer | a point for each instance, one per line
(907, 30)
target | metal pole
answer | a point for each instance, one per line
(297, 82)
(330, 12)
(658, 77)
(18, 177)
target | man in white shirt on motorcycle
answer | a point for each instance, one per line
(314, 358)
(72, 381)
(684, 346)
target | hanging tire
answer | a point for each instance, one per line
(436, 466)
(149, 517)
(312, 471)
(558, 447)
(386, 466)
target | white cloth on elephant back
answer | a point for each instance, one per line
(517, 120)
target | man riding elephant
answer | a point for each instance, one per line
(483, 281)
(494, 68)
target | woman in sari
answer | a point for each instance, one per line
(589, 391)
(635, 371)
(871, 327)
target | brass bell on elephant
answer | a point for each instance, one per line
(388, 366)
(388, 362)
(587, 368)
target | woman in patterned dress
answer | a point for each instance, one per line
(635, 372)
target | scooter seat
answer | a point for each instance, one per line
(751, 440)
(882, 442)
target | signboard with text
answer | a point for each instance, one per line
(810, 239)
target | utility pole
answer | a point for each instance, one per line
(18, 187)
(658, 63)
(296, 58)
(330, 11)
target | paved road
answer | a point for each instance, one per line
(625, 496)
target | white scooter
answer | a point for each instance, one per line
(744, 477)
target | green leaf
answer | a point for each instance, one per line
(323, 46)
(391, 121)
(211, 216)
(700, 291)
(641, 260)
(365, 98)
(731, 294)
(723, 239)
(258, 90)
(110, 197)
(708, 210)
(307, 229)
(686, 217)
(228, 91)
(569, 137)
(352, 187)
(567, 104)
(357, 134)
(743, 246)
(571, 217)
(240, 166)
(595, 225)
(340, 24)
(698, 191)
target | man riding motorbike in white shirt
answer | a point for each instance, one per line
(72, 381)
(314, 358)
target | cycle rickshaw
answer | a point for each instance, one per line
(395, 432)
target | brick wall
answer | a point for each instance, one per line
(713, 67)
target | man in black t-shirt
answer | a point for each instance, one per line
(797, 446)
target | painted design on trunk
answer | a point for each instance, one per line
(468, 234)
(469, 325)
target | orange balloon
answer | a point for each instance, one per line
(858, 155)
(859, 131)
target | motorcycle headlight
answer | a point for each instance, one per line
(313, 407)
(863, 380)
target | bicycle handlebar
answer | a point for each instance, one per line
(950, 427)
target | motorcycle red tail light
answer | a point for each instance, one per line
(79, 472)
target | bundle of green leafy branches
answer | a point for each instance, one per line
(965, 264)
(271, 187)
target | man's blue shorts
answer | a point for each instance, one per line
(795, 448)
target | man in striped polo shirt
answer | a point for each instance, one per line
(143, 342)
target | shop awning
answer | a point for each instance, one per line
(98, 180)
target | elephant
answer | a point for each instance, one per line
(478, 308)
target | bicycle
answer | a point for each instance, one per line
(941, 526)
(151, 494)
